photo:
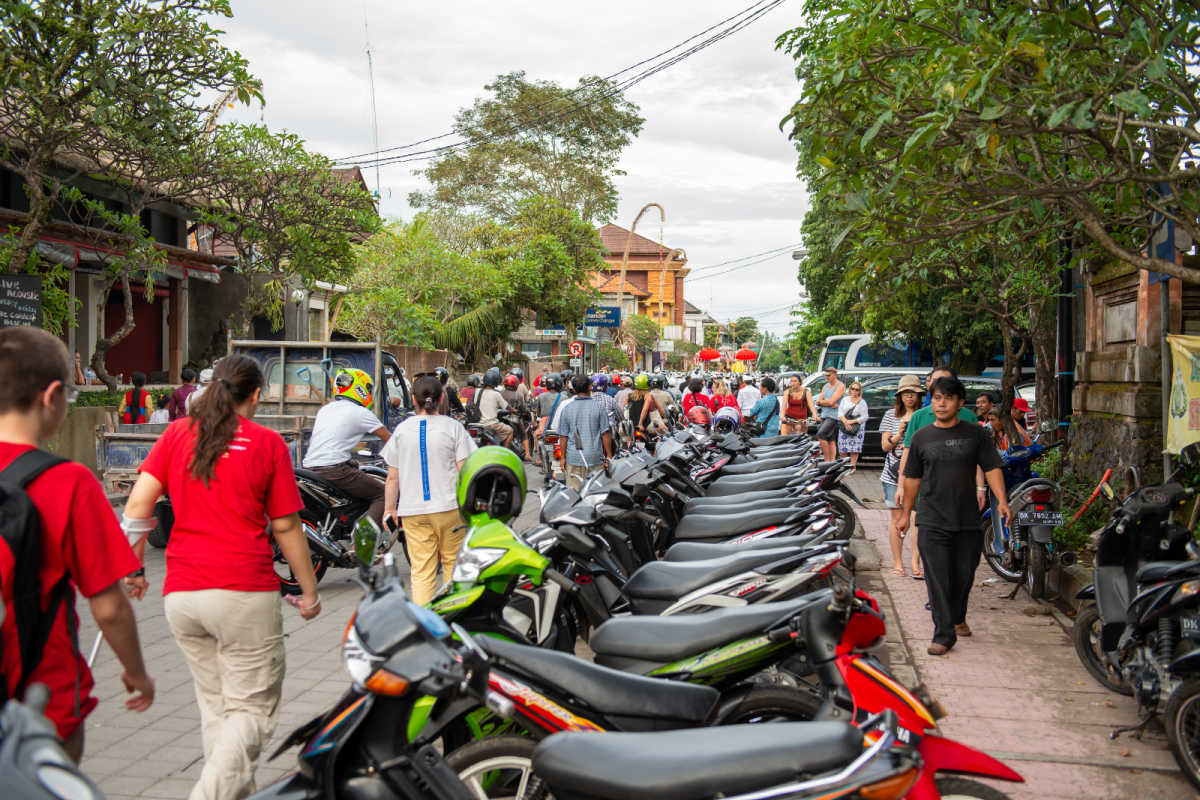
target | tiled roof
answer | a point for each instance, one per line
(607, 282)
(688, 308)
(614, 238)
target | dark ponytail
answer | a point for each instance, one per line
(138, 379)
(427, 392)
(214, 415)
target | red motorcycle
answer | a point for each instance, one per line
(836, 635)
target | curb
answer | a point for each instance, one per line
(1067, 582)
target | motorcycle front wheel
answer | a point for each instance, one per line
(1182, 721)
(1002, 561)
(770, 704)
(844, 516)
(953, 788)
(1086, 635)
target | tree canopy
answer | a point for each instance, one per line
(535, 139)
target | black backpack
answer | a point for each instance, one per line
(25, 628)
(471, 410)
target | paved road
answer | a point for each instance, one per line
(156, 754)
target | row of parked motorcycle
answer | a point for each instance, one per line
(714, 586)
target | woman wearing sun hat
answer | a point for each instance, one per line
(891, 438)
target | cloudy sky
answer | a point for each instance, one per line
(710, 152)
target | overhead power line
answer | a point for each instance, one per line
(773, 252)
(727, 27)
(735, 269)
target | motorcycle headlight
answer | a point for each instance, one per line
(473, 561)
(1185, 590)
(359, 661)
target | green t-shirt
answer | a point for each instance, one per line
(924, 416)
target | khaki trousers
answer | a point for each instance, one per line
(431, 539)
(575, 476)
(233, 643)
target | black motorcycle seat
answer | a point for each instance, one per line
(715, 526)
(692, 764)
(741, 503)
(762, 465)
(740, 484)
(1157, 571)
(787, 438)
(696, 551)
(666, 639)
(669, 580)
(607, 690)
(308, 474)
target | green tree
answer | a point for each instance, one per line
(744, 329)
(683, 355)
(644, 331)
(1011, 118)
(535, 139)
(88, 82)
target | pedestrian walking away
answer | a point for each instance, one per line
(852, 424)
(160, 415)
(585, 423)
(137, 404)
(891, 437)
(337, 430)
(71, 541)
(424, 457)
(723, 398)
(827, 404)
(177, 404)
(232, 489)
(942, 463)
(747, 396)
(695, 396)
(205, 378)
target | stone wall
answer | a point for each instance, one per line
(1101, 441)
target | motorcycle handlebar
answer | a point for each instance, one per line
(554, 576)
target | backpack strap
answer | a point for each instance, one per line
(28, 466)
(28, 554)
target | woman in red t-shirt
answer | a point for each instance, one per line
(232, 487)
(694, 396)
(723, 398)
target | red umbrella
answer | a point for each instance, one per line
(746, 354)
(708, 354)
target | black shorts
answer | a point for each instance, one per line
(828, 431)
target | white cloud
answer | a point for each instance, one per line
(711, 151)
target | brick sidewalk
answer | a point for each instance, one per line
(1016, 690)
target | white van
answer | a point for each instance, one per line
(859, 351)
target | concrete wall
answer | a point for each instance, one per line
(213, 307)
(76, 439)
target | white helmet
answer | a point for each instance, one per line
(727, 420)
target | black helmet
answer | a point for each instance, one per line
(553, 382)
(520, 373)
(443, 374)
(474, 379)
(658, 382)
(492, 377)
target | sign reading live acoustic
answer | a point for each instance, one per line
(1183, 413)
(20, 300)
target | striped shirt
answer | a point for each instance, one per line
(588, 416)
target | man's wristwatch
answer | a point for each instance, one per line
(138, 573)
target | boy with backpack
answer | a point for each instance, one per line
(57, 533)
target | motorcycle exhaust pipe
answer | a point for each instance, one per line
(322, 544)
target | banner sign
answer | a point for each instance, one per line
(20, 300)
(603, 317)
(1183, 413)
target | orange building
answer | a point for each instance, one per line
(659, 281)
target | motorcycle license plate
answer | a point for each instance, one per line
(1190, 627)
(1031, 516)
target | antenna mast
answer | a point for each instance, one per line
(374, 113)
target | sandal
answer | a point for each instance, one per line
(898, 571)
(918, 576)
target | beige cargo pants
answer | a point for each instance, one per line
(233, 643)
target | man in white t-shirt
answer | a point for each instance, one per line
(338, 428)
(747, 397)
(424, 457)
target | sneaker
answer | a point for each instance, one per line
(962, 629)
(937, 649)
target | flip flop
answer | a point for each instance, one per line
(918, 576)
(899, 572)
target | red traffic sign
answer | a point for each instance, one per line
(576, 349)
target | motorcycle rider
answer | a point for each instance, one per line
(522, 388)
(491, 403)
(663, 400)
(468, 392)
(339, 426)
(600, 392)
(547, 402)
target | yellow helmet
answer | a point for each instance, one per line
(355, 385)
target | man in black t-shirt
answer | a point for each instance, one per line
(944, 460)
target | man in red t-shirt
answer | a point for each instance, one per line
(81, 538)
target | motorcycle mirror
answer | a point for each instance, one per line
(1107, 490)
(366, 539)
(1190, 454)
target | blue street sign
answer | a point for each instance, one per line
(603, 317)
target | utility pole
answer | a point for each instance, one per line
(374, 113)
(625, 266)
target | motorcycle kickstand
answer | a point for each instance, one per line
(1136, 730)
(1013, 594)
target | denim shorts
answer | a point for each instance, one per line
(889, 494)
